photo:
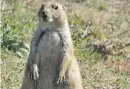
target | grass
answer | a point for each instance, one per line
(12, 71)
(100, 32)
(96, 73)
(98, 76)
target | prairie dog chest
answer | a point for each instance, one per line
(50, 39)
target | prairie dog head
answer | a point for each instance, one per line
(51, 12)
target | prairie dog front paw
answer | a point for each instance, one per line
(35, 72)
(61, 78)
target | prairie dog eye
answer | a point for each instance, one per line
(54, 6)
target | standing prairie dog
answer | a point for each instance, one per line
(51, 63)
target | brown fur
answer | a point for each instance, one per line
(51, 63)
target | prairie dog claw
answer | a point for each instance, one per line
(35, 72)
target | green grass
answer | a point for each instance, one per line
(105, 42)
(12, 70)
(96, 75)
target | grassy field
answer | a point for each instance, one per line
(101, 34)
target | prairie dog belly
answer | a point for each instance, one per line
(49, 47)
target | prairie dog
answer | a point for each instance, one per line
(51, 63)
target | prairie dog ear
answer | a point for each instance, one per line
(63, 7)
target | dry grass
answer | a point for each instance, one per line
(100, 31)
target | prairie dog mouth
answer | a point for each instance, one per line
(46, 18)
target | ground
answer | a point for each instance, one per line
(100, 32)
